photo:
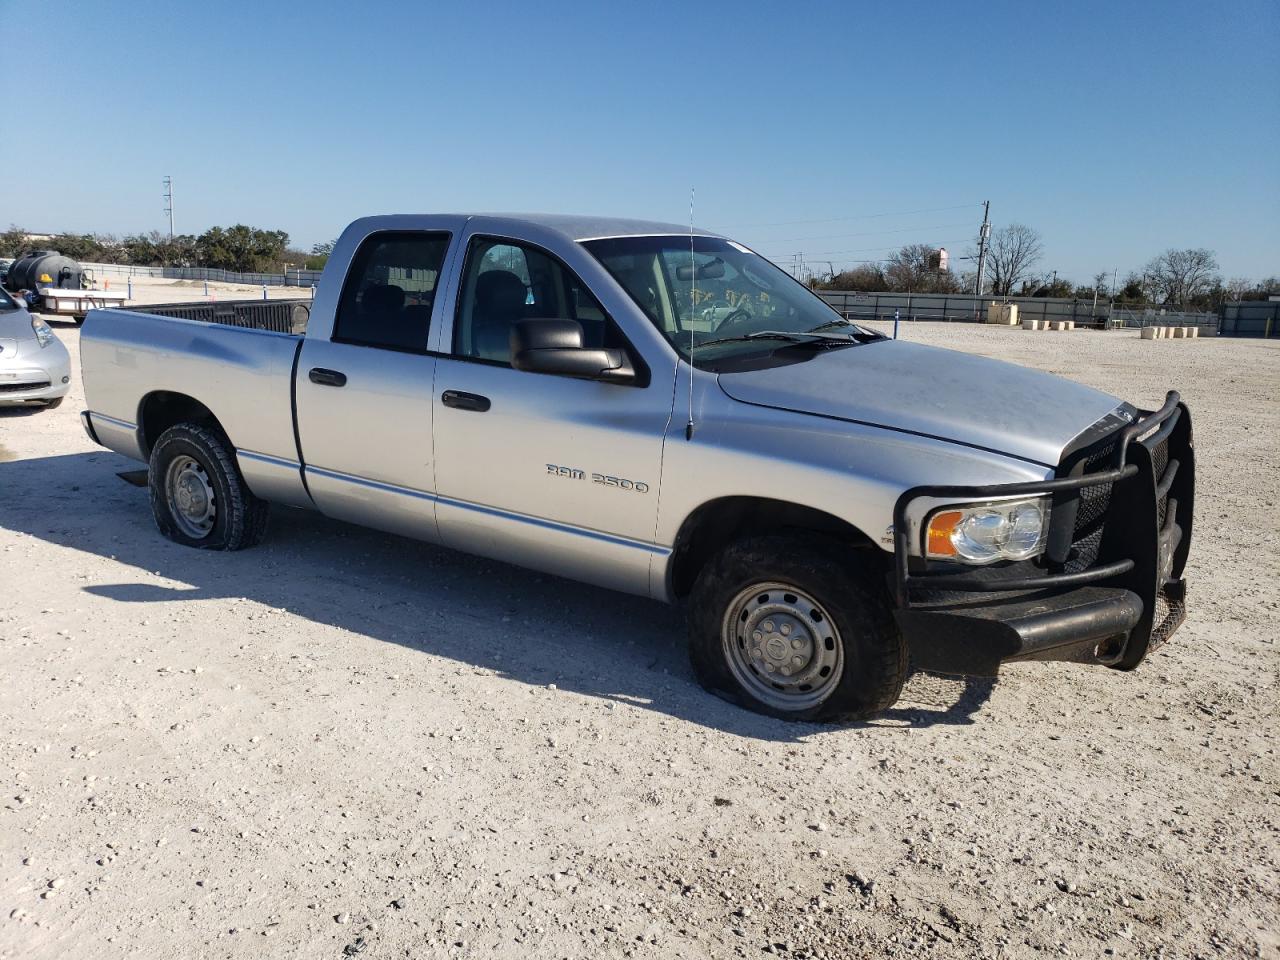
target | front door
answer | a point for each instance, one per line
(364, 395)
(546, 471)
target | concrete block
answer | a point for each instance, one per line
(1005, 314)
(1193, 332)
(1149, 333)
(1179, 332)
(1030, 324)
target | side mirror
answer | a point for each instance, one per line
(555, 346)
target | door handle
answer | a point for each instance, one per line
(464, 401)
(327, 378)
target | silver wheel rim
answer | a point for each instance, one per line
(191, 500)
(782, 646)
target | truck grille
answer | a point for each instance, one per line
(1170, 611)
(1091, 509)
(1160, 463)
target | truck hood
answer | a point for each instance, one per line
(953, 396)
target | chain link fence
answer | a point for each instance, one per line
(1251, 318)
(967, 308)
(288, 278)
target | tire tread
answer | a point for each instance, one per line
(246, 515)
(883, 660)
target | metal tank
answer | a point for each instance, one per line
(29, 272)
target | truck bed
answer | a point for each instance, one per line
(277, 316)
(223, 356)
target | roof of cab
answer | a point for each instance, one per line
(594, 228)
(569, 226)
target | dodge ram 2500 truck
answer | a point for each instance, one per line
(664, 412)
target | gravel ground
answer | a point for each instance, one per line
(344, 743)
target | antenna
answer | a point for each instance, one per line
(693, 302)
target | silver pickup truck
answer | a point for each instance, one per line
(664, 412)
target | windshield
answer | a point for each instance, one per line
(717, 295)
(6, 302)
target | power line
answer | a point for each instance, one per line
(868, 233)
(828, 253)
(857, 216)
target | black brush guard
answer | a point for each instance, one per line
(1109, 588)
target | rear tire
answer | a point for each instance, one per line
(198, 497)
(797, 628)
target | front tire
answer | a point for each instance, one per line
(796, 628)
(198, 497)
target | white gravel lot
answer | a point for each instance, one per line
(148, 290)
(347, 743)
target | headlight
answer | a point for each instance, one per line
(1009, 530)
(44, 332)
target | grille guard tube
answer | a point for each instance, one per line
(1148, 553)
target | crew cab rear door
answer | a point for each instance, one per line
(547, 471)
(364, 387)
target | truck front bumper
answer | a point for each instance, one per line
(1115, 592)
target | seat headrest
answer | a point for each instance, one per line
(500, 291)
(383, 298)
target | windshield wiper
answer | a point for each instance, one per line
(863, 332)
(796, 336)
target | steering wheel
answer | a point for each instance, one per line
(732, 319)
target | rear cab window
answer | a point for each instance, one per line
(390, 291)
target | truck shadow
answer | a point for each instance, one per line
(529, 627)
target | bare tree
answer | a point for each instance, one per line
(1013, 251)
(1179, 276)
(915, 268)
(866, 276)
(1239, 288)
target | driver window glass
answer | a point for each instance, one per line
(507, 282)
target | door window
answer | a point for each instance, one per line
(390, 289)
(508, 282)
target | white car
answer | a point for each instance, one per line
(34, 365)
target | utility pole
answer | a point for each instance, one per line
(984, 236)
(168, 203)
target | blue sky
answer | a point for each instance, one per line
(1116, 129)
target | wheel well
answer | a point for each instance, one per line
(716, 524)
(162, 409)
